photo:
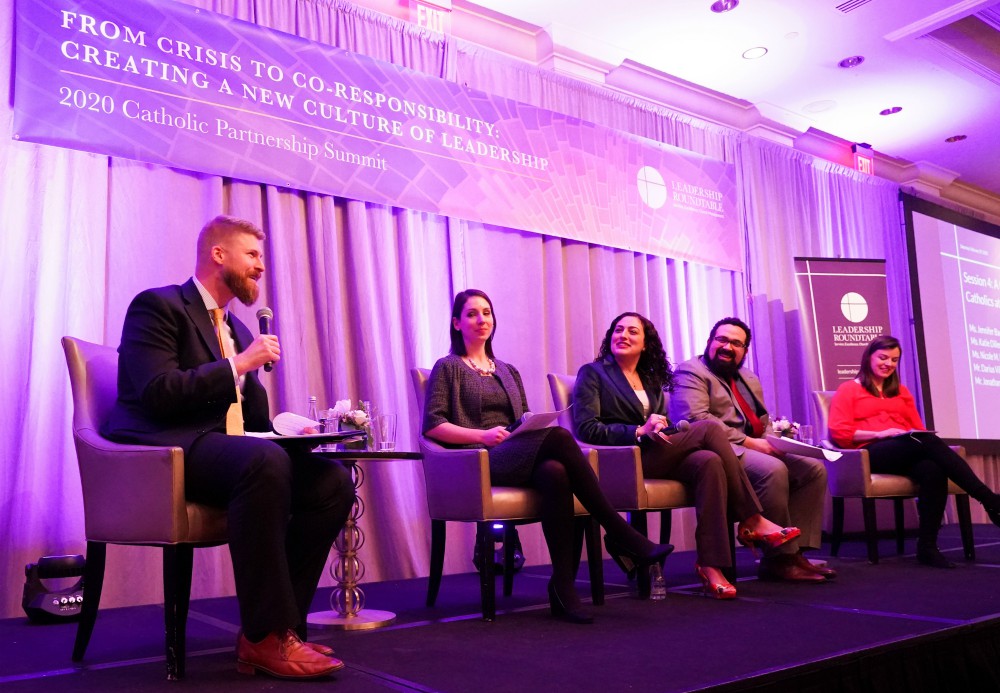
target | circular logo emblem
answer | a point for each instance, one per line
(854, 306)
(652, 189)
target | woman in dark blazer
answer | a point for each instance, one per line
(619, 400)
(473, 400)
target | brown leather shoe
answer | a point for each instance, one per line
(806, 564)
(285, 656)
(785, 567)
(324, 650)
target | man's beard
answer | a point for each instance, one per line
(726, 370)
(243, 287)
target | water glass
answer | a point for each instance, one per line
(806, 434)
(385, 432)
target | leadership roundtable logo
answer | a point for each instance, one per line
(854, 306)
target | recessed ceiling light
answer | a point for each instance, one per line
(853, 61)
(957, 138)
(891, 111)
(724, 5)
(754, 53)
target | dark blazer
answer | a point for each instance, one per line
(173, 384)
(454, 393)
(605, 409)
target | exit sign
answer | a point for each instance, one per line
(431, 14)
(864, 159)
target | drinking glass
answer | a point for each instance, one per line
(385, 432)
(806, 434)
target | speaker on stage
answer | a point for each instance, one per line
(44, 603)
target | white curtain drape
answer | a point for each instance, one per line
(362, 292)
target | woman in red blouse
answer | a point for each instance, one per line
(877, 412)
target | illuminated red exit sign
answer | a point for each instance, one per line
(431, 14)
(864, 158)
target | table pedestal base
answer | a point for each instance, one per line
(363, 620)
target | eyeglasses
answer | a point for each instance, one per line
(735, 343)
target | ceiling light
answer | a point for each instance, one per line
(853, 61)
(754, 53)
(724, 5)
(891, 111)
(957, 138)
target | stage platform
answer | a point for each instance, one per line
(896, 626)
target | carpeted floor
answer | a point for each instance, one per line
(686, 642)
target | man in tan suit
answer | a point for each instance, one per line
(790, 488)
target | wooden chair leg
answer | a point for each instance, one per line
(641, 574)
(177, 564)
(580, 539)
(837, 527)
(438, 533)
(666, 517)
(965, 525)
(93, 585)
(637, 518)
(595, 561)
(509, 540)
(897, 508)
(871, 528)
(487, 589)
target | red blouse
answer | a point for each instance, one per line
(854, 408)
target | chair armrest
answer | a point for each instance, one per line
(457, 482)
(849, 476)
(620, 474)
(131, 493)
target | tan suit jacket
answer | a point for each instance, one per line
(701, 394)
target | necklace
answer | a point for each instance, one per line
(634, 381)
(489, 370)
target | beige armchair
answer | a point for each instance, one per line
(622, 479)
(132, 494)
(459, 490)
(851, 477)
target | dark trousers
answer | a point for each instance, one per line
(931, 463)
(284, 510)
(703, 459)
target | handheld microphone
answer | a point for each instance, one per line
(676, 427)
(264, 317)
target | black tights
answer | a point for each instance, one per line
(562, 471)
(931, 463)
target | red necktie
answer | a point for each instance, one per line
(749, 414)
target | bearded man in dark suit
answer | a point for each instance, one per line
(284, 507)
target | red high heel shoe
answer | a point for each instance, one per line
(717, 590)
(756, 540)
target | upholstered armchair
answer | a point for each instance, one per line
(622, 479)
(132, 494)
(850, 476)
(459, 490)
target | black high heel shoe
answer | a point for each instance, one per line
(630, 561)
(993, 512)
(577, 615)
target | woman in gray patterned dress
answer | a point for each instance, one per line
(473, 400)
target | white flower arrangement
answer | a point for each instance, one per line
(785, 428)
(355, 417)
